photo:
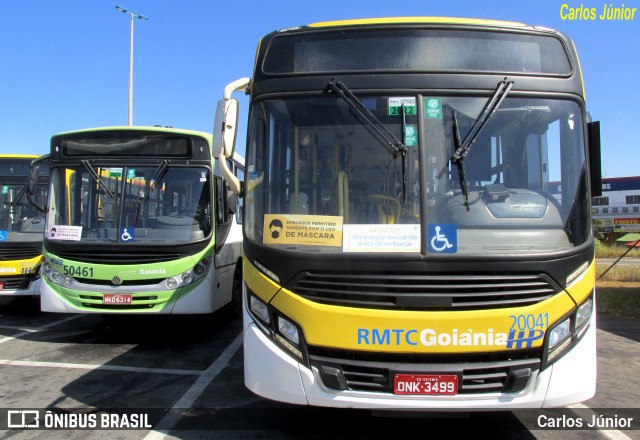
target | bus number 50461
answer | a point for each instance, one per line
(78, 271)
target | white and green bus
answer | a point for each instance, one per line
(138, 220)
(417, 225)
(21, 227)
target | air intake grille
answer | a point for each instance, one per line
(18, 282)
(423, 291)
(19, 253)
(119, 257)
(475, 378)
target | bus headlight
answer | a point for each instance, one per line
(172, 283)
(584, 313)
(259, 309)
(55, 276)
(283, 330)
(190, 276)
(187, 278)
(559, 333)
(568, 331)
(288, 330)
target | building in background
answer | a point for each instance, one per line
(616, 213)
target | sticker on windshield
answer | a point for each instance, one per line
(432, 108)
(410, 136)
(381, 238)
(314, 230)
(131, 173)
(115, 172)
(3, 235)
(443, 238)
(126, 234)
(395, 106)
(64, 232)
(5, 189)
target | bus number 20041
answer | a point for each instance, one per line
(529, 322)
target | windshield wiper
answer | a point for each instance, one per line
(392, 143)
(97, 178)
(463, 147)
(158, 174)
(383, 134)
(19, 196)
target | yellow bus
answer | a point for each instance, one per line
(403, 246)
(21, 228)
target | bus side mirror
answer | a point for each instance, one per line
(232, 202)
(225, 127)
(595, 158)
(32, 183)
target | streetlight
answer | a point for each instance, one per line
(139, 17)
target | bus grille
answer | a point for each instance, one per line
(119, 258)
(139, 302)
(423, 291)
(19, 282)
(474, 377)
(19, 253)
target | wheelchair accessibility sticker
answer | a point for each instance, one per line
(443, 239)
(126, 234)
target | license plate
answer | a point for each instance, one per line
(431, 384)
(117, 298)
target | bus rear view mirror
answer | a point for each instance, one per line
(232, 202)
(32, 183)
(595, 158)
(224, 129)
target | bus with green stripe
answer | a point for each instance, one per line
(139, 221)
(404, 247)
(21, 227)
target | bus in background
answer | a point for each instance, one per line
(402, 248)
(139, 221)
(21, 227)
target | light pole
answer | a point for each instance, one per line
(140, 17)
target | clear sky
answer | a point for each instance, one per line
(65, 63)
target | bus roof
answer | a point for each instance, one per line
(409, 20)
(19, 156)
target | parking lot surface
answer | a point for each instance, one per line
(181, 377)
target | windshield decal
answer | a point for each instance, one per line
(126, 234)
(443, 239)
(381, 238)
(115, 172)
(395, 106)
(314, 230)
(64, 232)
(432, 108)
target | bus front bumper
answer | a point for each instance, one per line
(33, 289)
(271, 373)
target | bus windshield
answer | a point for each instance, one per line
(20, 221)
(519, 189)
(121, 203)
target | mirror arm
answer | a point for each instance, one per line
(238, 85)
(232, 180)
